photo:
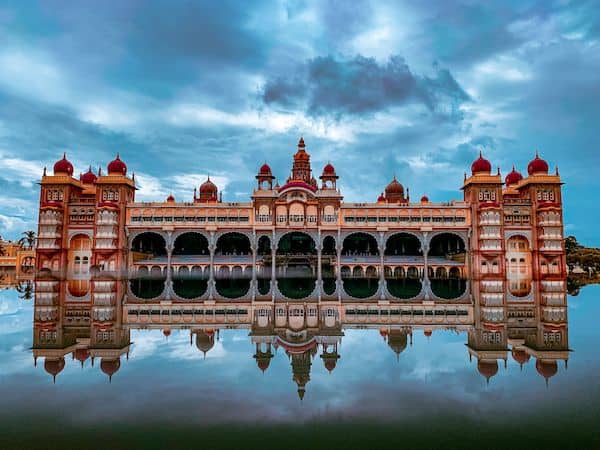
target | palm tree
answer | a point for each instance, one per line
(25, 288)
(28, 239)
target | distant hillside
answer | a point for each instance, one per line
(584, 265)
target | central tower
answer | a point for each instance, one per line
(301, 168)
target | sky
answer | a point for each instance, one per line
(184, 89)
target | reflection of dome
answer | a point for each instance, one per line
(117, 167)
(520, 356)
(81, 354)
(547, 369)
(110, 366)
(481, 165)
(167, 332)
(205, 340)
(63, 166)
(513, 177)
(263, 363)
(537, 166)
(89, 177)
(428, 333)
(54, 366)
(397, 340)
(487, 368)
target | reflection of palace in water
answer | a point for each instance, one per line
(99, 329)
(296, 264)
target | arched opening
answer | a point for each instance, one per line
(328, 246)
(357, 284)
(518, 266)
(78, 288)
(360, 244)
(147, 288)
(80, 254)
(328, 260)
(296, 264)
(449, 246)
(231, 283)
(233, 244)
(402, 244)
(296, 243)
(188, 283)
(299, 282)
(190, 244)
(264, 246)
(403, 283)
(148, 245)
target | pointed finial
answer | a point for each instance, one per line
(480, 154)
(64, 155)
(44, 170)
(556, 170)
(118, 156)
(498, 170)
(99, 171)
(133, 176)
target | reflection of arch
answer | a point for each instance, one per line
(412, 272)
(190, 243)
(78, 288)
(346, 272)
(454, 272)
(360, 243)
(441, 272)
(518, 265)
(449, 245)
(80, 254)
(371, 272)
(402, 244)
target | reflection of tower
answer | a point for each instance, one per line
(301, 363)
(397, 340)
(263, 356)
(488, 343)
(330, 356)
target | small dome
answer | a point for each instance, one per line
(170, 198)
(424, 199)
(394, 187)
(487, 368)
(537, 166)
(513, 177)
(329, 169)
(265, 169)
(520, 356)
(167, 332)
(301, 154)
(330, 363)
(117, 167)
(81, 354)
(110, 366)
(301, 142)
(547, 369)
(263, 363)
(481, 165)
(208, 187)
(428, 333)
(381, 198)
(63, 166)
(205, 341)
(89, 177)
(54, 366)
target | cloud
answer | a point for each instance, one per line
(329, 86)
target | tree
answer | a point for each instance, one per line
(2, 251)
(28, 239)
(571, 244)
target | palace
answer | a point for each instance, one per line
(300, 240)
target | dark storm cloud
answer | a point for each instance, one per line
(327, 86)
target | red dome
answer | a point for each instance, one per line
(481, 165)
(117, 167)
(167, 332)
(428, 333)
(89, 177)
(263, 363)
(170, 198)
(547, 369)
(394, 187)
(329, 169)
(330, 363)
(381, 198)
(110, 366)
(265, 169)
(487, 368)
(63, 166)
(54, 366)
(208, 187)
(513, 177)
(81, 354)
(424, 199)
(520, 356)
(537, 166)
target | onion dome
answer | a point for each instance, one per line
(537, 166)
(513, 177)
(63, 166)
(117, 167)
(394, 188)
(329, 169)
(170, 198)
(520, 356)
(265, 170)
(81, 354)
(381, 198)
(205, 341)
(330, 363)
(263, 363)
(547, 369)
(424, 199)
(110, 367)
(481, 165)
(397, 341)
(487, 368)
(167, 332)
(54, 366)
(208, 187)
(89, 177)
(301, 153)
(428, 333)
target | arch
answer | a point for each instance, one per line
(519, 265)
(454, 272)
(448, 245)
(264, 246)
(222, 273)
(371, 272)
(328, 246)
(190, 243)
(448, 288)
(399, 272)
(357, 272)
(296, 243)
(345, 272)
(403, 244)
(148, 245)
(412, 272)
(233, 243)
(441, 272)
(360, 243)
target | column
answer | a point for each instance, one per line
(211, 272)
(338, 267)
(253, 282)
(319, 269)
(425, 248)
(273, 260)
(381, 248)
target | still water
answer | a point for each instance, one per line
(342, 382)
